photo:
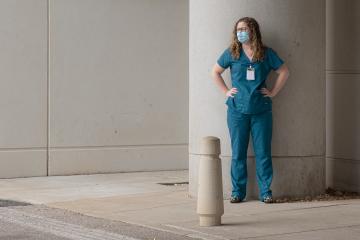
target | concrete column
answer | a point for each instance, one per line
(296, 30)
(342, 91)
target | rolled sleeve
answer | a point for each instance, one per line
(274, 60)
(225, 59)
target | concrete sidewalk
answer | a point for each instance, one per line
(138, 198)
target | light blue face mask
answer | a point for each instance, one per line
(243, 36)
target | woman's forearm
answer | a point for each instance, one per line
(279, 83)
(220, 82)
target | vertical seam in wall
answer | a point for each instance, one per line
(48, 88)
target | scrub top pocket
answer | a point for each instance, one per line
(238, 71)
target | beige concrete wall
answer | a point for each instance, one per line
(342, 90)
(296, 30)
(114, 89)
(118, 85)
(23, 91)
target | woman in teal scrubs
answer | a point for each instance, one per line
(249, 104)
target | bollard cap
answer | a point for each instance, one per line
(210, 145)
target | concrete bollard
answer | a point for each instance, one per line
(210, 204)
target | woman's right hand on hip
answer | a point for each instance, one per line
(231, 92)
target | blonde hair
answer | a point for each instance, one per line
(255, 40)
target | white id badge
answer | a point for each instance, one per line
(250, 73)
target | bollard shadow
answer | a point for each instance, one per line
(235, 224)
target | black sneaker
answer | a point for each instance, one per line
(235, 199)
(268, 199)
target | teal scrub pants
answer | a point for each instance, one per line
(240, 126)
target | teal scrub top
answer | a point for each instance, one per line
(249, 99)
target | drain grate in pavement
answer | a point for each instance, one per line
(174, 183)
(9, 203)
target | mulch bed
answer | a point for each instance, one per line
(329, 195)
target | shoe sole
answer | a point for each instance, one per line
(268, 201)
(236, 201)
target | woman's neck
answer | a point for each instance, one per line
(246, 46)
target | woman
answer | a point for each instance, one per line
(249, 104)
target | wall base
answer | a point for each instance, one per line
(293, 176)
